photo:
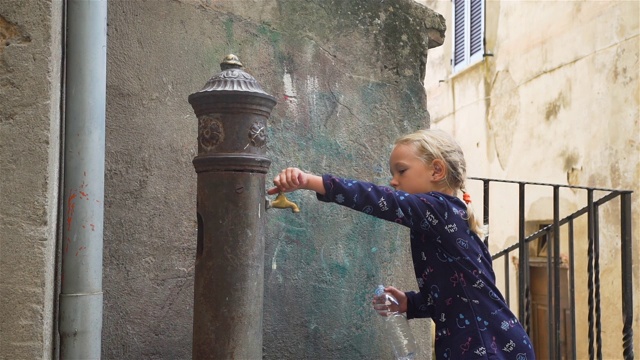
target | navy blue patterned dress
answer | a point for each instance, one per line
(453, 268)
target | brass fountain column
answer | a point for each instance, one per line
(231, 165)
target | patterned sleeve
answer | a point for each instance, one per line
(414, 211)
(417, 307)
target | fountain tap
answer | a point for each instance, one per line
(281, 202)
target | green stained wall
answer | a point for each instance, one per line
(347, 76)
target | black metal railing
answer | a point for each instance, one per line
(551, 235)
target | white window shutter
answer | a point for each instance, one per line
(468, 33)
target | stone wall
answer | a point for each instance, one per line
(348, 77)
(30, 83)
(348, 80)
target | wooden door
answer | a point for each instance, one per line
(540, 325)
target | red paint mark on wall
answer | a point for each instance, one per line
(80, 249)
(93, 227)
(71, 206)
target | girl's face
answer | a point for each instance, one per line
(410, 173)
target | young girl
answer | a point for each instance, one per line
(452, 266)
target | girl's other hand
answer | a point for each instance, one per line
(383, 306)
(289, 179)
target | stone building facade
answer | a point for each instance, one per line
(554, 98)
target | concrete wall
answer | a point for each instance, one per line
(348, 77)
(348, 80)
(557, 102)
(30, 78)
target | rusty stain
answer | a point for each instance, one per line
(11, 33)
(80, 249)
(71, 205)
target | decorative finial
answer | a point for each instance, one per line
(233, 78)
(230, 61)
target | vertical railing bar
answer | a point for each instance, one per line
(523, 285)
(527, 280)
(556, 270)
(506, 277)
(550, 287)
(627, 275)
(596, 278)
(485, 211)
(572, 287)
(590, 231)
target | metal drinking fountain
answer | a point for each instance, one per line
(232, 111)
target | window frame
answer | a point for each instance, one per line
(468, 58)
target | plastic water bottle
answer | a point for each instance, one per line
(397, 326)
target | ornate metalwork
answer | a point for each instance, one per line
(258, 135)
(210, 131)
(233, 78)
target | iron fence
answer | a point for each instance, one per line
(550, 234)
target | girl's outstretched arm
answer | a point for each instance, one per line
(291, 179)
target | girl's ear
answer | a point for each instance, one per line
(439, 170)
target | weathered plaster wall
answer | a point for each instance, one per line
(348, 80)
(557, 102)
(30, 63)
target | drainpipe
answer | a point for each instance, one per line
(80, 316)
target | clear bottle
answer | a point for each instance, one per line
(397, 326)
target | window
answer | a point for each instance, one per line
(468, 33)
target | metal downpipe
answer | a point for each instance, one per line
(80, 315)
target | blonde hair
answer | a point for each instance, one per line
(432, 144)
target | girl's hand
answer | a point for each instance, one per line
(384, 307)
(289, 179)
